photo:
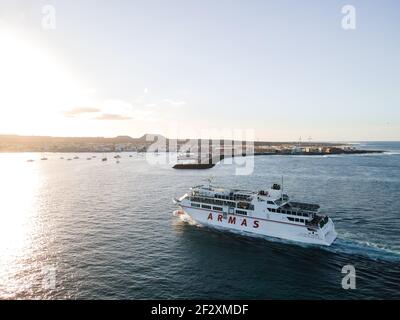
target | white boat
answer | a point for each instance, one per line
(267, 212)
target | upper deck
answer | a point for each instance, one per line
(272, 200)
(273, 194)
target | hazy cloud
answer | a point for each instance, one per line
(175, 103)
(110, 116)
(138, 100)
(80, 110)
(113, 110)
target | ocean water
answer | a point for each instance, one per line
(90, 229)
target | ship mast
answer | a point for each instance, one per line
(210, 180)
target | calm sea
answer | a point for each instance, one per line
(85, 229)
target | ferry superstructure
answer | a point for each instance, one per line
(266, 212)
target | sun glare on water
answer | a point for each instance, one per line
(18, 218)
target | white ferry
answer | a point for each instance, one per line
(266, 212)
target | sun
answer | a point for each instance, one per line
(35, 85)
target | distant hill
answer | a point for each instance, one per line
(150, 137)
(17, 143)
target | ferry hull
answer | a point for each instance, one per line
(325, 236)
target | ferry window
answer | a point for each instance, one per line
(205, 206)
(195, 205)
(241, 212)
(283, 211)
(270, 202)
(273, 210)
(217, 208)
(296, 219)
(278, 210)
(291, 219)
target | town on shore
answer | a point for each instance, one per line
(146, 143)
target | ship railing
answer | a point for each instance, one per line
(305, 206)
(299, 213)
(213, 201)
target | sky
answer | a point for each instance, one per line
(283, 69)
